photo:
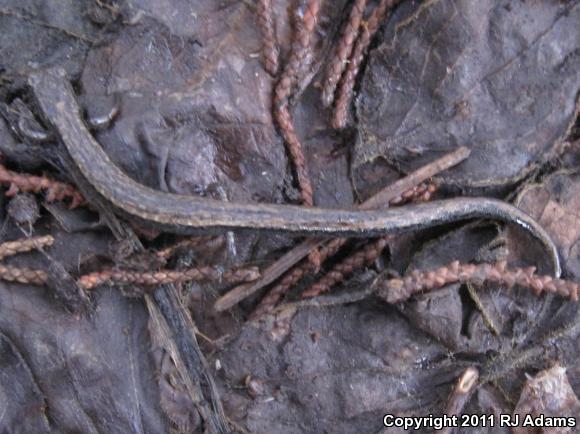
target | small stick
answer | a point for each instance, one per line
(301, 47)
(92, 280)
(270, 274)
(10, 248)
(346, 86)
(490, 324)
(22, 275)
(379, 200)
(269, 46)
(325, 301)
(340, 271)
(461, 394)
(399, 187)
(18, 274)
(419, 193)
(400, 289)
(27, 183)
(188, 243)
(367, 255)
(291, 278)
(343, 51)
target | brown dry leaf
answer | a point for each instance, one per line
(451, 315)
(548, 395)
(555, 203)
(38, 34)
(21, 399)
(497, 76)
(339, 369)
(194, 103)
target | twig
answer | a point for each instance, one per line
(419, 193)
(499, 366)
(271, 299)
(343, 51)
(400, 289)
(346, 86)
(370, 252)
(10, 248)
(22, 275)
(90, 281)
(192, 364)
(188, 243)
(361, 258)
(398, 188)
(270, 274)
(340, 271)
(490, 324)
(301, 46)
(269, 46)
(31, 183)
(461, 394)
(379, 200)
(325, 301)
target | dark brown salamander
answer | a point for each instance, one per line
(181, 214)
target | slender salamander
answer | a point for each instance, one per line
(184, 214)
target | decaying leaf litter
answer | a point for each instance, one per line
(177, 94)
